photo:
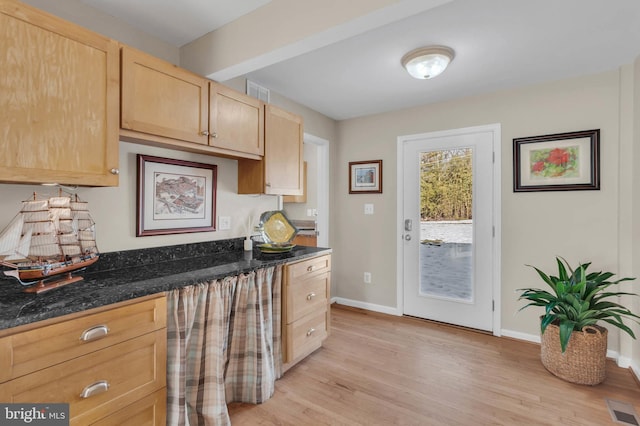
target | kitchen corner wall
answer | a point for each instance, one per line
(635, 212)
(114, 209)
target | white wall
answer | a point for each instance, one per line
(579, 225)
(114, 209)
(635, 231)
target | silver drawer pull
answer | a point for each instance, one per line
(310, 268)
(95, 388)
(94, 333)
(311, 296)
(311, 331)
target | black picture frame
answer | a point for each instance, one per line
(557, 162)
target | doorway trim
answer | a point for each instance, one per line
(495, 129)
(323, 187)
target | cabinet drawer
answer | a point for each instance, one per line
(148, 411)
(308, 268)
(110, 378)
(32, 350)
(306, 334)
(307, 296)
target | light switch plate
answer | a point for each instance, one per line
(368, 209)
(224, 223)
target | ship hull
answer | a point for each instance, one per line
(38, 272)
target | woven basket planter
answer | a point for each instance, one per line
(583, 361)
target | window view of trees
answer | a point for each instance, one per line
(446, 180)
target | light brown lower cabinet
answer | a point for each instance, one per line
(309, 240)
(150, 410)
(305, 307)
(108, 364)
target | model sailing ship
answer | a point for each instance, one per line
(48, 240)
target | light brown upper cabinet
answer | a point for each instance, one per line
(299, 198)
(168, 105)
(162, 99)
(236, 121)
(280, 172)
(58, 100)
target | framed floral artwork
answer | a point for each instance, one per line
(365, 177)
(175, 196)
(559, 162)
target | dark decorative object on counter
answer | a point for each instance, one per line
(277, 232)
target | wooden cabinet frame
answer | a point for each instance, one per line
(59, 101)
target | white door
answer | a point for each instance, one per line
(448, 226)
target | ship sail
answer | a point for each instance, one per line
(10, 237)
(48, 237)
(21, 252)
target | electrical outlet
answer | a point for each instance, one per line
(367, 277)
(224, 223)
(368, 209)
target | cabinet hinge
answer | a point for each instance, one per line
(493, 306)
(493, 160)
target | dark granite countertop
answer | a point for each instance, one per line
(121, 276)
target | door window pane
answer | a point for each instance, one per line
(446, 228)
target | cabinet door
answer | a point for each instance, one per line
(283, 152)
(280, 172)
(59, 100)
(299, 198)
(162, 99)
(236, 121)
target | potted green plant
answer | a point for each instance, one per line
(573, 345)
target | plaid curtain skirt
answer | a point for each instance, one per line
(224, 345)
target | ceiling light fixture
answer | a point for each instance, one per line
(427, 62)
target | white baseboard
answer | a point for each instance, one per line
(636, 370)
(623, 361)
(536, 339)
(521, 336)
(368, 306)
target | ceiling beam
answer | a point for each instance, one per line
(283, 29)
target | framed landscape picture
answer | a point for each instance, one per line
(558, 162)
(175, 196)
(365, 177)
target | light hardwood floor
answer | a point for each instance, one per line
(377, 369)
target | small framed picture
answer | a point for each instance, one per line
(175, 196)
(365, 177)
(558, 162)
